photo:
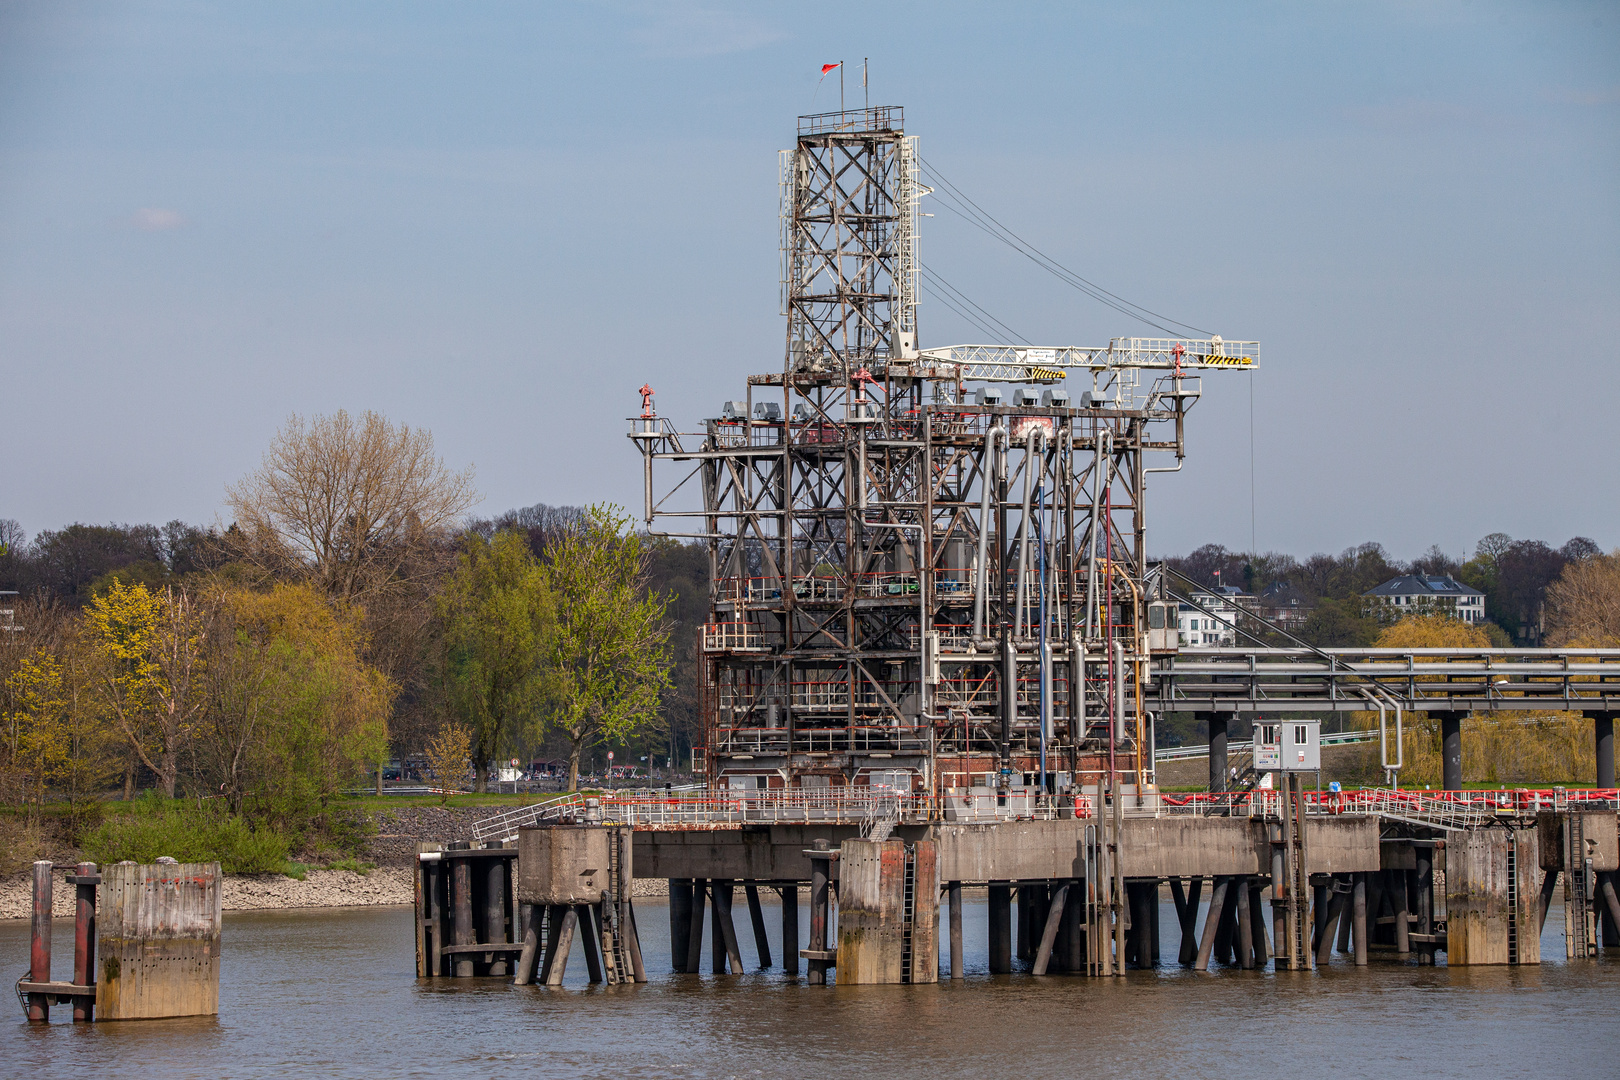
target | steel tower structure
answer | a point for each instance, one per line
(918, 583)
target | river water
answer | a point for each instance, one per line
(332, 993)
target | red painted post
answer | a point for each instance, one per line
(84, 939)
(39, 1005)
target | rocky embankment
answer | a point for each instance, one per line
(392, 848)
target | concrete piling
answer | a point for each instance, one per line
(756, 916)
(1000, 926)
(954, 902)
(680, 922)
(790, 928)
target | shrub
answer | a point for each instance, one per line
(189, 835)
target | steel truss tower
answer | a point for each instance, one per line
(915, 586)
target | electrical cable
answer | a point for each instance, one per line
(938, 279)
(990, 225)
(967, 316)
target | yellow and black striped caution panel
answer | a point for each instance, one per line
(1226, 361)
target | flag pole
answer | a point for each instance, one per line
(840, 86)
(866, 91)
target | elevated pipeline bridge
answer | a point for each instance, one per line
(1302, 679)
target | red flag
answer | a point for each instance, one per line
(828, 67)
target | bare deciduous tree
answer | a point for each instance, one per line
(1583, 605)
(349, 502)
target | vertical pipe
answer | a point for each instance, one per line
(1245, 924)
(1025, 910)
(590, 939)
(39, 951)
(1000, 924)
(1281, 947)
(1226, 930)
(1345, 920)
(84, 939)
(1603, 730)
(1425, 901)
(954, 900)
(438, 884)
(1023, 536)
(694, 934)
(461, 907)
(1217, 750)
(1403, 924)
(790, 928)
(756, 915)
(1451, 751)
(1359, 919)
(819, 872)
(680, 922)
(1257, 926)
(495, 911)
(986, 480)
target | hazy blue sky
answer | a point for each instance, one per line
(497, 220)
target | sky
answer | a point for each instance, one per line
(496, 221)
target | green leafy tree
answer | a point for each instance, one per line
(607, 657)
(498, 613)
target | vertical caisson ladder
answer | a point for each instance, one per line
(1099, 934)
(1295, 913)
(615, 956)
(1580, 937)
(1513, 898)
(908, 913)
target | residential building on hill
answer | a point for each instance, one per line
(1200, 623)
(1424, 594)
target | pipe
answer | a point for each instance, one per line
(1023, 526)
(1105, 438)
(984, 530)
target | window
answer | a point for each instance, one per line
(1301, 735)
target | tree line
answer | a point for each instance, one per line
(349, 612)
(1535, 594)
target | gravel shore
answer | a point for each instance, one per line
(392, 848)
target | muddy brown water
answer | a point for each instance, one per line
(333, 994)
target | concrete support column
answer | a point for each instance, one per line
(680, 921)
(1000, 918)
(1217, 750)
(954, 892)
(1451, 751)
(1603, 722)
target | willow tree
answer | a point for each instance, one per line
(607, 658)
(150, 652)
(498, 613)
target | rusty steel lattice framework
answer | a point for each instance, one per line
(916, 586)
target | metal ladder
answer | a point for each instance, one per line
(615, 954)
(1580, 937)
(1513, 899)
(908, 908)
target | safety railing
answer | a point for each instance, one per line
(1440, 809)
(700, 809)
(732, 637)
